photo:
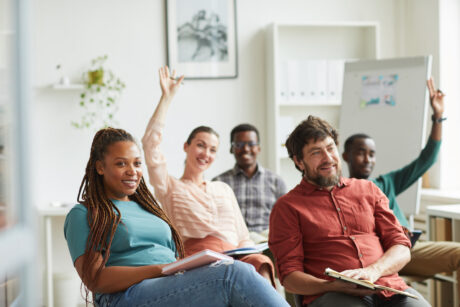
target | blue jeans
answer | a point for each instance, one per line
(236, 284)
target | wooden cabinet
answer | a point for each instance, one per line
(443, 224)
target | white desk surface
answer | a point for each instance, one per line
(446, 211)
(48, 213)
(54, 211)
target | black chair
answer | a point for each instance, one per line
(298, 298)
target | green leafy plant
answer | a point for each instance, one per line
(100, 97)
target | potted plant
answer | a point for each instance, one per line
(100, 96)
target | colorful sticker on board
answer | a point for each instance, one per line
(378, 90)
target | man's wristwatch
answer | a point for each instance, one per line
(438, 120)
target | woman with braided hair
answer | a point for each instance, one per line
(119, 239)
(206, 213)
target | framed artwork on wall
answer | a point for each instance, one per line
(201, 34)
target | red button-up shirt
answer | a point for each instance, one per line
(349, 227)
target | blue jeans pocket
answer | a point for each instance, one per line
(103, 300)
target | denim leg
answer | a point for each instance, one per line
(236, 284)
(249, 288)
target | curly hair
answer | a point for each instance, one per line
(313, 128)
(243, 128)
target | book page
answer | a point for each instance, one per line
(258, 248)
(364, 283)
(196, 260)
(380, 287)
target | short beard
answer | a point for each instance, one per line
(324, 181)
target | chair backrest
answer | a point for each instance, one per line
(298, 300)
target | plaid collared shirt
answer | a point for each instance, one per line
(256, 195)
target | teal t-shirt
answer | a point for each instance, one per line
(396, 182)
(140, 239)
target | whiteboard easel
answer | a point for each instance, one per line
(388, 100)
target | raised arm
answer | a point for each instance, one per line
(154, 159)
(404, 177)
(115, 278)
(169, 86)
(437, 104)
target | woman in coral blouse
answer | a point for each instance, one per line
(205, 213)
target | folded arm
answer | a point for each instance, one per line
(115, 278)
(391, 262)
(394, 242)
(306, 284)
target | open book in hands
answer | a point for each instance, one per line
(258, 248)
(364, 283)
(196, 260)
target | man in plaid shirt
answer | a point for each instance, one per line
(255, 187)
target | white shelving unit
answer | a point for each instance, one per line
(304, 43)
(72, 86)
(48, 214)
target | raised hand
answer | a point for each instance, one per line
(168, 82)
(436, 99)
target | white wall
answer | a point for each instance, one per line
(432, 27)
(132, 33)
(420, 36)
(449, 37)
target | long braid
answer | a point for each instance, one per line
(148, 202)
(103, 216)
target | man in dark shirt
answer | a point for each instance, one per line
(340, 223)
(427, 258)
(256, 188)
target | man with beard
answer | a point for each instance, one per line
(255, 187)
(328, 221)
(427, 258)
